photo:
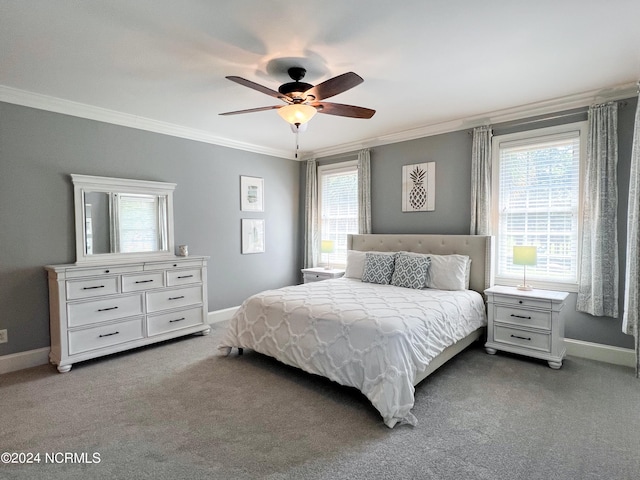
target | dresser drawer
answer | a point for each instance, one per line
(168, 322)
(145, 281)
(523, 301)
(174, 264)
(94, 287)
(90, 272)
(522, 338)
(105, 335)
(85, 313)
(175, 298)
(527, 318)
(182, 277)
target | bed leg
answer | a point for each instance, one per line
(240, 351)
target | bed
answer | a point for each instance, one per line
(381, 338)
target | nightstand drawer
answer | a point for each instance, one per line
(523, 301)
(315, 277)
(526, 318)
(522, 338)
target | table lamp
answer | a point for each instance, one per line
(327, 246)
(525, 255)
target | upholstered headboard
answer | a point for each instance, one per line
(478, 247)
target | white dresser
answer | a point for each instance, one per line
(99, 309)
(526, 322)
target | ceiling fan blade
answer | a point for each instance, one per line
(251, 110)
(343, 110)
(335, 85)
(256, 86)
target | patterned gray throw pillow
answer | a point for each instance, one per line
(410, 271)
(378, 268)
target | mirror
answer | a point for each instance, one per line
(121, 218)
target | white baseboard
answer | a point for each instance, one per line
(602, 353)
(577, 348)
(28, 359)
(40, 356)
(221, 315)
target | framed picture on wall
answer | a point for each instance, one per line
(251, 194)
(253, 235)
(419, 187)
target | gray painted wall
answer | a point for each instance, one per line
(452, 154)
(38, 151)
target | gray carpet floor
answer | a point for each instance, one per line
(179, 411)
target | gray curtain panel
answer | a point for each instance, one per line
(598, 283)
(481, 181)
(364, 191)
(630, 324)
(311, 216)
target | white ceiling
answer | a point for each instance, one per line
(424, 62)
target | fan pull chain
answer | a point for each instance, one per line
(297, 139)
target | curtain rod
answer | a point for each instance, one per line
(575, 112)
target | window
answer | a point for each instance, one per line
(137, 222)
(536, 201)
(338, 202)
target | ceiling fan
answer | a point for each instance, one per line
(303, 100)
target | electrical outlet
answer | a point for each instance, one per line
(4, 337)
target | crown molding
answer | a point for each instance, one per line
(546, 107)
(76, 109)
(90, 112)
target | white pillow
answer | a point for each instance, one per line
(355, 263)
(448, 272)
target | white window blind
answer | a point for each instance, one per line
(338, 200)
(538, 203)
(138, 223)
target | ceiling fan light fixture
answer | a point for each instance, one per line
(297, 113)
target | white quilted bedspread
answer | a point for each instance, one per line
(375, 338)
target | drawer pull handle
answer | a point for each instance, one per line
(186, 276)
(521, 316)
(91, 288)
(521, 338)
(176, 298)
(143, 281)
(177, 320)
(108, 334)
(105, 309)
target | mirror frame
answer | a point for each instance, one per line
(89, 183)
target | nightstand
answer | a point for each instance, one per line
(317, 274)
(527, 323)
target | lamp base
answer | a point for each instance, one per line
(526, 288)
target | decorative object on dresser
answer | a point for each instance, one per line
(127, 288)
(317, 274)
(525, 255)
(527, 323)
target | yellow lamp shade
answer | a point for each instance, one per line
(525, 255)
(297, 113)
(326, 246)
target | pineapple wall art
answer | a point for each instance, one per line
(418, 187)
